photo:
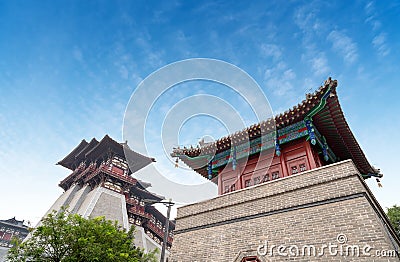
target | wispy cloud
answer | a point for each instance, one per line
(271, 50)
(320, 64)
(153, 56)
(344, 45)
(311, 27)
(279, 79)
(379, 41)
(306, 19)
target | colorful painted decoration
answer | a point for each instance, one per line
(325, 149)
(234, 162)
(325, 152)
(285, 135)
(311, 133)
(209, 170)
(277, 148)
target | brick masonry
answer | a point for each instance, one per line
(310, 208)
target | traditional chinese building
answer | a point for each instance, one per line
(312, 134)
(307, 192)
(9, 229)
(101, 184)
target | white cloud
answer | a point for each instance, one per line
(344, 45)
(280, 79)
(271, 50)
(375, 25)
(379, 39)
(154, 57)
(306, 18)
(379, 42)
(369, 7)
(320, 64)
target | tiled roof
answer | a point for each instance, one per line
(93, 150)
(330, 121)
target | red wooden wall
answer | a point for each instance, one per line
(295, 157)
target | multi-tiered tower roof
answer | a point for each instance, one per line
(109, 164)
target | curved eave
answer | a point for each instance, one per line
(160, 217)
(143, 193)
(191, 162)
(332, 123)
(106, 145)
(142, 184)
(135, 160)
(81, 155)
(68, 161)
(67, 182)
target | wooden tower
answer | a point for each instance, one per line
(101, 184)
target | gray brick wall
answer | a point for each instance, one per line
(110, 207)
(311, 208)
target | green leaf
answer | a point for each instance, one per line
(65, 237)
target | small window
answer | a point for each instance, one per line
(247, 183)
(302, 167)
(257, 180)
(233, 187)
(275, 175)
(266, 178)
(294, 170)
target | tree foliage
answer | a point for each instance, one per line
(66, 237)
(394, 217)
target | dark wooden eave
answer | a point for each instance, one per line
(142, 184)
(159, 216)
(82, 154)
(135, 160)
(95, 150)
(331, 122)
(105, 146)
(144, 194)
(69, 160)
(108, 145)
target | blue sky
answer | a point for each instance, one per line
(68, 69)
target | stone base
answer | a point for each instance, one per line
(325, 214)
